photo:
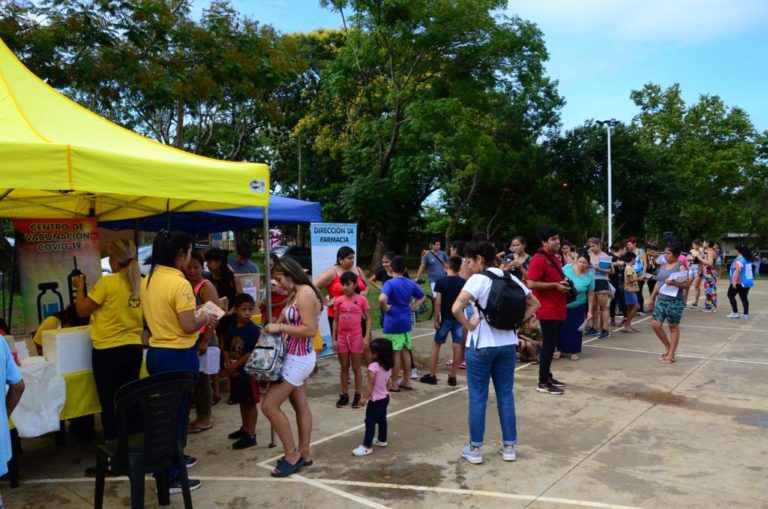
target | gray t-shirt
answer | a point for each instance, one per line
(663, 273)
(245, 268)
(604, 260)
(434, 263)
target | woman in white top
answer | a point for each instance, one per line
(490, 354)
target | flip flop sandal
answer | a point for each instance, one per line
(285, 469)
(193, 430)
(405, 387)
(395, 390)
(308, 463)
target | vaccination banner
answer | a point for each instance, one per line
(51, 252)
(326, 239)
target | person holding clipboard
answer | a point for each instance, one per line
(668, 300)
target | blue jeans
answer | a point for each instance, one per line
(162, 360)
(483, 365)
(452, 326)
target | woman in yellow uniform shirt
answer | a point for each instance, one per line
(168, 301)
(114, 306)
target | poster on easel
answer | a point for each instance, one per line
(326, 239)
(51, 253)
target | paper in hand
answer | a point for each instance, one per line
(210, 309)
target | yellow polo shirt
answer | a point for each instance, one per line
(117, 320)
(163, 295)
(50, 323)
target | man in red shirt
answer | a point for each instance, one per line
(549, 285)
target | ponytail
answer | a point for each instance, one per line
(124, 253)
(166, 247)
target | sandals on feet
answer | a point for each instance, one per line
(284, 468)
(575, 357)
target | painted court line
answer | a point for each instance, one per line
(700, 357)
(393, 414)
(732, 329)
(329, 483)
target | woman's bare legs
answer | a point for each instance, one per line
(270, 407)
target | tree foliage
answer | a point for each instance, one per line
(416, 117)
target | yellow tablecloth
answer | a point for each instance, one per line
(82, 398)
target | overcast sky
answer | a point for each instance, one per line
(601, 50)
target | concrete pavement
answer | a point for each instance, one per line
(629, 432)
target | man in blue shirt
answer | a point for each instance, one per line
(11, 376)
(433, 261)
(242, 263)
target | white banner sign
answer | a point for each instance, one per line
(326, 239)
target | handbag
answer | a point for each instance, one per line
(266, 361)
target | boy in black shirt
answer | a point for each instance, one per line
(239, 341)
(447, 289)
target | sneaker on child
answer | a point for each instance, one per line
(733, 315)
(343, 400)
(236, 435)
(245, 443)
(362, 450)
(414, 374)
(379, 443)
(428, 379)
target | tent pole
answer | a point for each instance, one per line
(268, 295)
(268, 274)
(13, 284)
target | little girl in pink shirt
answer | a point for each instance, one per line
(377, 396)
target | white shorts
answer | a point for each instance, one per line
(297, 368)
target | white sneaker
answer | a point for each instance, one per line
(745, 317)
(508, 453)
(733, 315)
(414, 374)
(362, 450)
(472, 454)
(379, 443)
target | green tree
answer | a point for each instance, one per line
(416, 101)
(709, 150)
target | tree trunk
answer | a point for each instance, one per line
(378, 250)
(179, 124)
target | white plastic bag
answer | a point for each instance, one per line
(209, 361)
(44, 395)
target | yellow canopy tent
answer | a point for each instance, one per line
(58, 159)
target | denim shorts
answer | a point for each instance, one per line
(670, 310)
(451, 326)
(630, 298)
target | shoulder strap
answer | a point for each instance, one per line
(199, 286)
(546, 259)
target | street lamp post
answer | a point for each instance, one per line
(608, 124)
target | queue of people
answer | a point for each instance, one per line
(563, 293)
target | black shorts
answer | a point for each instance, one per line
(243, 390)
(601, 285)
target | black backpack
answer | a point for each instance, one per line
(505, 308)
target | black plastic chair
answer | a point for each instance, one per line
(164, 401)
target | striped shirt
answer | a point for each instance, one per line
(296, 345)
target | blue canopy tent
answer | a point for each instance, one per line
(281, 211)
